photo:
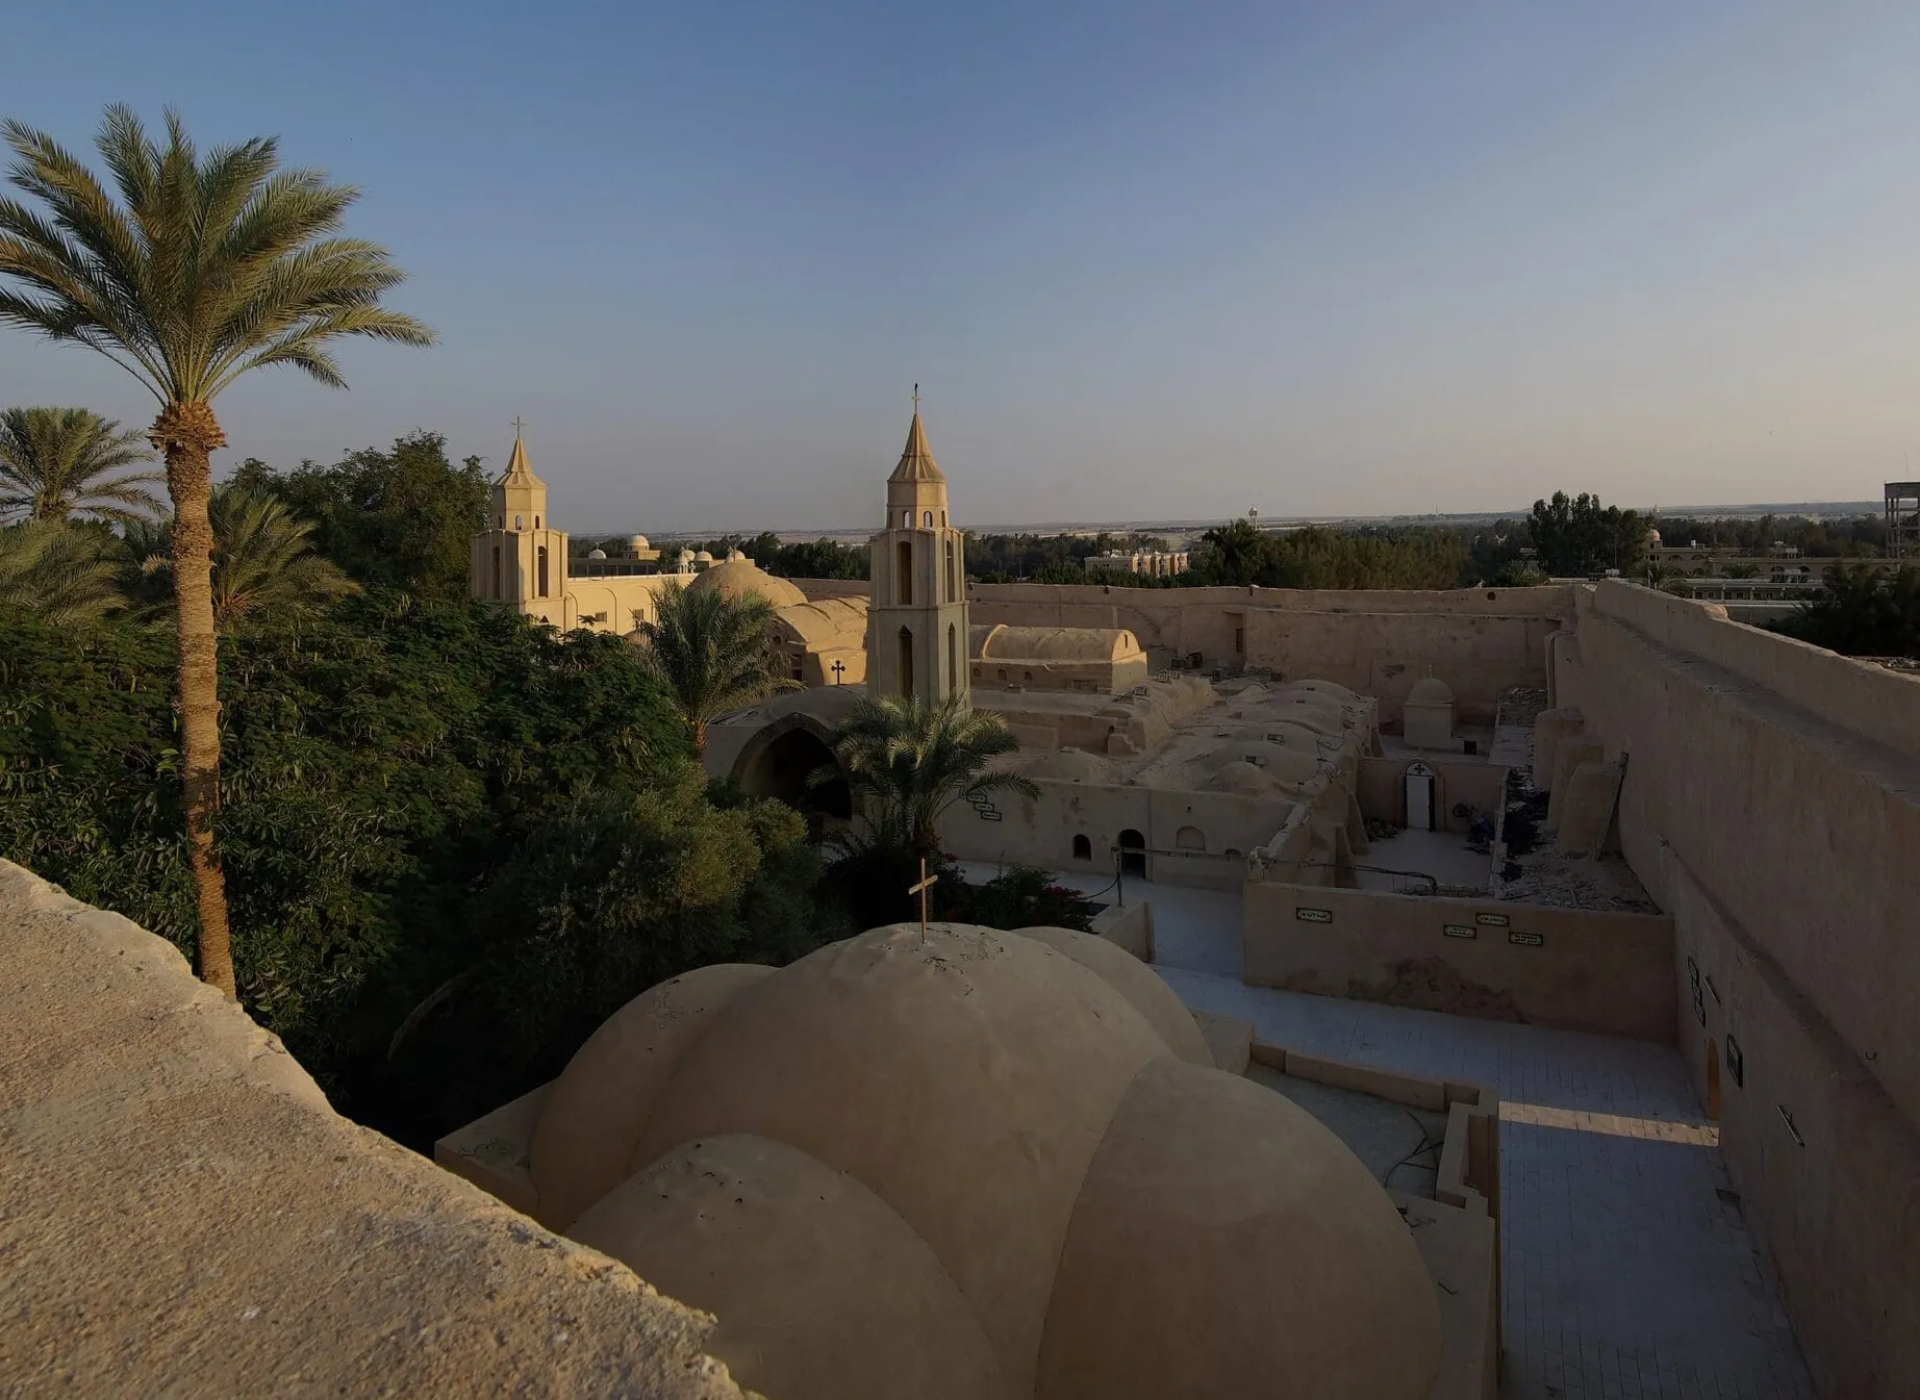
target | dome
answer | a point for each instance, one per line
(637, 543)
(1430, 690)
(735, 556)
(596, 554)
(1281, 766)
(741, 578)
(916, 1163)
(1069, 766)
(703, 556)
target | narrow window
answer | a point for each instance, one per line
(904, 571)
(953, 660)
(496, 571)
(543, 571)
(519, 522)
(536, 522)
(906, 663)
(906, 520)
(950, 589)
(927, 520)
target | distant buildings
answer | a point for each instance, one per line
(1156, 563)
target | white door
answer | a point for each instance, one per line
(1420, 797)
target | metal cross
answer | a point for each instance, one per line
(927, 882)
(838, 667)
(517, 425)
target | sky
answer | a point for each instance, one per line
(1144, 259)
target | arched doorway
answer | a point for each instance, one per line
(1420, 797)
(1082, 848)
(1713, 1080)
(782, 763)
(1133, 854)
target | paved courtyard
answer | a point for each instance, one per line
(1626, 1272)
(1627, 1269)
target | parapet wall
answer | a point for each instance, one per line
(1771, 803)
(181, 1213)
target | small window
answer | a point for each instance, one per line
(1190, 838)
(906, 520)
(519, 522)
(1001, 674)
(1082, 848)
(1026, 675)
(536, 522)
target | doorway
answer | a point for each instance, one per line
(1133, 854)
(1419, 797)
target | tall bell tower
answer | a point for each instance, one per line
(917, 618)
(517, 561)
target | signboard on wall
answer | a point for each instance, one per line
(1491, 920)
(1314, 916)
(1526, 940)
(1460, 931)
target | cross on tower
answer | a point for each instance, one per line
(517, 425)
(927, 882)
(916, 398)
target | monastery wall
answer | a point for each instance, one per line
(1772, 804)
(1191, 838)
(181, 1213)
(1588, 971)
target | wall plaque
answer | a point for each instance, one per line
(1460, 931)
(1314, 916)
(1491, 920)
(1526, 940)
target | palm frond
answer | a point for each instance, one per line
(62, 463)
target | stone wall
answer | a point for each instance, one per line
(1588, 971)
(1772, 804)
(181, 1213)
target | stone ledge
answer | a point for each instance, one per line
(181, 1212)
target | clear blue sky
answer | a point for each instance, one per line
(1144, 258)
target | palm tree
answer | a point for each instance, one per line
(62, 574)
(714, 653)
(911, 760)
(56, 463)
(263, 559)
(201, 270)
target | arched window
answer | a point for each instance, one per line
(906, 520)
(543, 571)
(903, 572)
(953, 660)
(926, 520)
(1133, 853)
(496, 571)
(950, 585)
(906, 662)
(1190, 838)
(536, 522)
(1082, 848)
(943, 520)
(519, 522)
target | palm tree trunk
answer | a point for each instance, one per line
(699, 740)
(187, 433)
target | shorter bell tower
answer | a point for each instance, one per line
(517, 561)
(917, 617)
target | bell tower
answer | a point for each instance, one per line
(917, 617)
(517, 561)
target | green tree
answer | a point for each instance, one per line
(59, 573)
(1234, 553)
(907, 760)
(400, 519)
(59, 463)
(201, 271)
(1575, 536)
(715, 654)
(1861, 612)
(263, 560)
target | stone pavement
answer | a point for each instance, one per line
(1627, 1269)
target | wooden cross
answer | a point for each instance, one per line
(838, 667)
(927, 882)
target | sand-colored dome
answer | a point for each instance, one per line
(1284, 767)
(1145, 990)
(965, 1162)
(742, 578)
(1333, 690)
(965, 1077)
(814, 1279)
(637, 543)
(1209, 1186)
(1430, 690)
(1068, 766)
(596, 553)
(595, 1111)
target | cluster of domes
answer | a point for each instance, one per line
(964, 1163)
